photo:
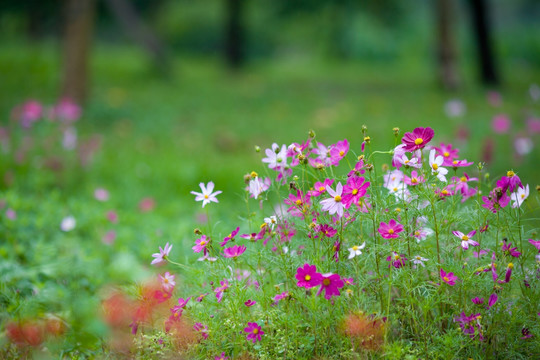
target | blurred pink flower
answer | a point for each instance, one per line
(147, 204)
(533, 126)
(523, 145)
(112, 216)
(494, 98)
(11, 214)
(66, 111)
(501, 124)
(28, 113)
(101, 194)
(109, 237)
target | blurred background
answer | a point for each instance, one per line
(112, 111)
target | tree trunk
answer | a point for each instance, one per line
(79, 20)
(234, 32)
(127, 15)
(482, 32)
(446, 46)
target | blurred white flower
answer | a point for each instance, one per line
(68, 223)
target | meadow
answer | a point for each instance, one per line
(80, 223)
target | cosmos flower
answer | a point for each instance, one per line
(234, 251)
(390, 230)
(161, 256)
(418, 139)
(330, 284)
(201, 244)
(167, 281)
(254, 332)
(448, 278)
(207, 194)
(334, 205)
(308, 277)
(466, 239)
(356, 250)
(519, 196)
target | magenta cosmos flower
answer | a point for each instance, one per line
(390, 230)
(234, 251)
(207, 194)
(160, 257)
(507, 248)
(254, 332)
(308, 276)
(330, 284)
(334, 205)
(418, 139)
(448, 278)
(230, 236)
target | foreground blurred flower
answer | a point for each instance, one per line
(162, 255)
(221, 357)
(418, 139)
(254, 332)
(68, 223)
(207, 195)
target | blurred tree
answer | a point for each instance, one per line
(446, 46)
(234, 33)
(79, 21)
(127, 15)
(482, 33)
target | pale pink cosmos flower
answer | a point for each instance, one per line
(415, 178)
(276, 157)
(466, 239)
(257, 186)
(454, 108)
(66, 111)
(419, 260)
(101, 194)
(324, 158)
(201, 244)
(523, 145)
(11, 214)
(109, 237)
(338, 151)
(398, 152)
(167, 281)
(334, 205)
(519, 196)
(160, 257)
(112, 216)
(207, 195)
(28, 113)
(412, 162)
(68, 223)
(220, 290)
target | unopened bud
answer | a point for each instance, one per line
(197, 231)
(257, 148)
(369, 167)
(385, 167)
(396, 131)
(311, 133)
(367, 139)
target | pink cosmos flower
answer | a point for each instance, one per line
(147, 204)
(109, 237)
(418, 139)
(323, 159)
(448, 153)
(466, 239)
(396, 260)
(334, 205)
(112, 216)
(477, 300)
(320, 187)
(415, 178)
(201, 244)
(358, 169)
(492, 300)
(308, 277)
(300, 203)
(11, 214)
(448, 278)
(28, 113)
(390, 230)
(412, 162)
(326, 230)
(161, 256)
(398, 153)
(234, 251)
(167, 281)
(330, 284)
(298, 152)
(207, 195)
(496, 199)
(66, 111)
(254, 332)
(355, 188)
(203, 329)
(507, 248)
(280, 297)
(220, 290)
(257, 186)
(338, 151)
(500, 124)
(461, 163)
(470, 325)
(535, 243)
(221, 357)
(509, 182)
(101, 194)
(250, 303)
(533, 126)
(254, 236)
(230, 236)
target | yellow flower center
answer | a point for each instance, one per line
(464, 238)
(202, 243)
(394, 189)
(418, 258)
(418, 141)
(414, 180)
(355, 247)
(455, 162)
(321, 188)
(523, 196)
(307, 278)
(254, 174)
(166, 281)
(341, 153)
(298, 202)
(510, 173)
(417, 233)
(206, 196)
(446, 279)
(396, 257)
(255, 331)
(391, 231)
(463, 179)
(446, 154)
(407, 161)
(326, 282)
(444, 192)
(435, 166)
(355, 191)
(510, 266)
(337, 198)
